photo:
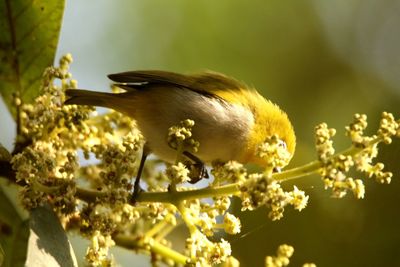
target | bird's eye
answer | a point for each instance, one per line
(282, 144)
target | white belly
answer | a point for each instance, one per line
(222, 129)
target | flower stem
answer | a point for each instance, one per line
(164, 232)
(298, 172)
(314, 166)
(89, 195)
(187, 218)
(167, 252)
(155, 247)
(174, 197)
(156, 228)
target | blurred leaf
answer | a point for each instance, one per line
(48, 244)
(14, 233)
(4, 154)
(1, 255)
(29, 33)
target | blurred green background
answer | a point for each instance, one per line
(321, 61)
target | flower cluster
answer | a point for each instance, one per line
(47, 119)
(275, 154)
(97, 253)
(202, 218)
(228, 173)
(50, 134)
(361, 155)
(118, 166)
(259, 190)
(48, 175)
(206, 253)
(180, 137)
(282, 258)
(284, 252)
(178, 173)
(323, 142)
(232, 224)
(387, 129)
(262, 189)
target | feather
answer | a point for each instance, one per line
(90, 98)
(205, 83)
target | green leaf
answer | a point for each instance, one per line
(37, 241)
(29, 33)
(4, 154)
(14, 233)
(48, 244)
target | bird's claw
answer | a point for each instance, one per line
(198, 171)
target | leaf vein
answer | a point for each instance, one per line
(34, 57)
(23, 10)
(36, 26)
(15, 62)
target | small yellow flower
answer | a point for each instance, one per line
(232, 224)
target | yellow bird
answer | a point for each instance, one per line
(231, 119)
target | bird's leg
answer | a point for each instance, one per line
(136, 185)
(198, 170)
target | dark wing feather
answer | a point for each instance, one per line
(205, 82)
(149, 76)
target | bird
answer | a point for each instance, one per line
(231, 118)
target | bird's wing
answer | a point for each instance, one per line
(205, 82)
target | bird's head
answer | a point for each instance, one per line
(269, 122)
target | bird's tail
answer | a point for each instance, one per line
(90, 98)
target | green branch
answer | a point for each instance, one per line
(155, 247)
